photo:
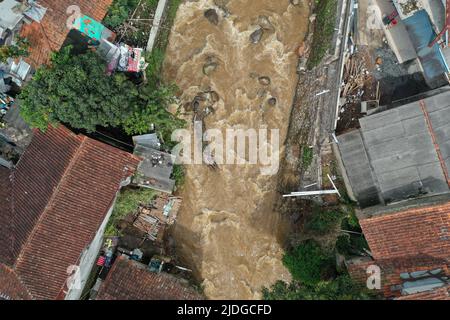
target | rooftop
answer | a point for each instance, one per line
(401, 153)
(412, 248)
(49, 35)
(63, 186)
(155, 170)
(130, 280)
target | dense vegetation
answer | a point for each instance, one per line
(128, 202)
(315, 273)
(17, 50)
(309, 263)
(118, 12)
(322, 222)
(341, 288)
(75, 90)
(315, 277)
(324, 25)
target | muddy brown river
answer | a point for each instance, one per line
(227, 230)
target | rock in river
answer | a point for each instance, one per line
(256, 36)
(212, 16)
(209, 68)
(265, 81)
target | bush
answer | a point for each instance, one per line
(127, 202)
(322, 222)
(341, 288)
(76, 91)
(343, 245)
(119, 12)
(309, 263)
(20, 49)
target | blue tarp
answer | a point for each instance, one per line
(422, 34)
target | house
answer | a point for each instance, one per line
(50, 33)
(131, 280)
(411, 245)
(415, 30)
(396, 166)
(54, 207)
(399, 153)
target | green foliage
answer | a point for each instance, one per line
(343, 245)
(323, 31)
(322, 222)
(178, 175)
(171, 12)
(154, 112)
(341, 288)
(20, 49)
(309, 263)
(127, 202)
(307, 157)
(75, 90)
(118, 12)
(155, 62)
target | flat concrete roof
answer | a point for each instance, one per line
(400, 153)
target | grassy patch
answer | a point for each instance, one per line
(128, 202)
(307, 157)
(323, 31)
(178, 175)
(171, 12)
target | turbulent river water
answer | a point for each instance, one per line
(227, 230)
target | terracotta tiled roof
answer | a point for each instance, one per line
(62, 189)
(5, 216)
(412, 240)
(129, 280)
(414, 232)
(10, 286)
(50, 34)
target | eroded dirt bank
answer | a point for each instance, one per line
(227, 229)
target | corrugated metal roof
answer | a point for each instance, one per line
(394, 152)
(422, 34)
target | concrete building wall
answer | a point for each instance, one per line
(88, 259)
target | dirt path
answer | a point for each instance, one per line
(228, 230)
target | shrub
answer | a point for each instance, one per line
(127, 202)
(119, 12)
(341, 288)
(322, 222)
(309, 263)
(343, 245)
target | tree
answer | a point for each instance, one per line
(75, 90)
(309, 263)
(20, 49)
(341, 288)
(323, 221)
